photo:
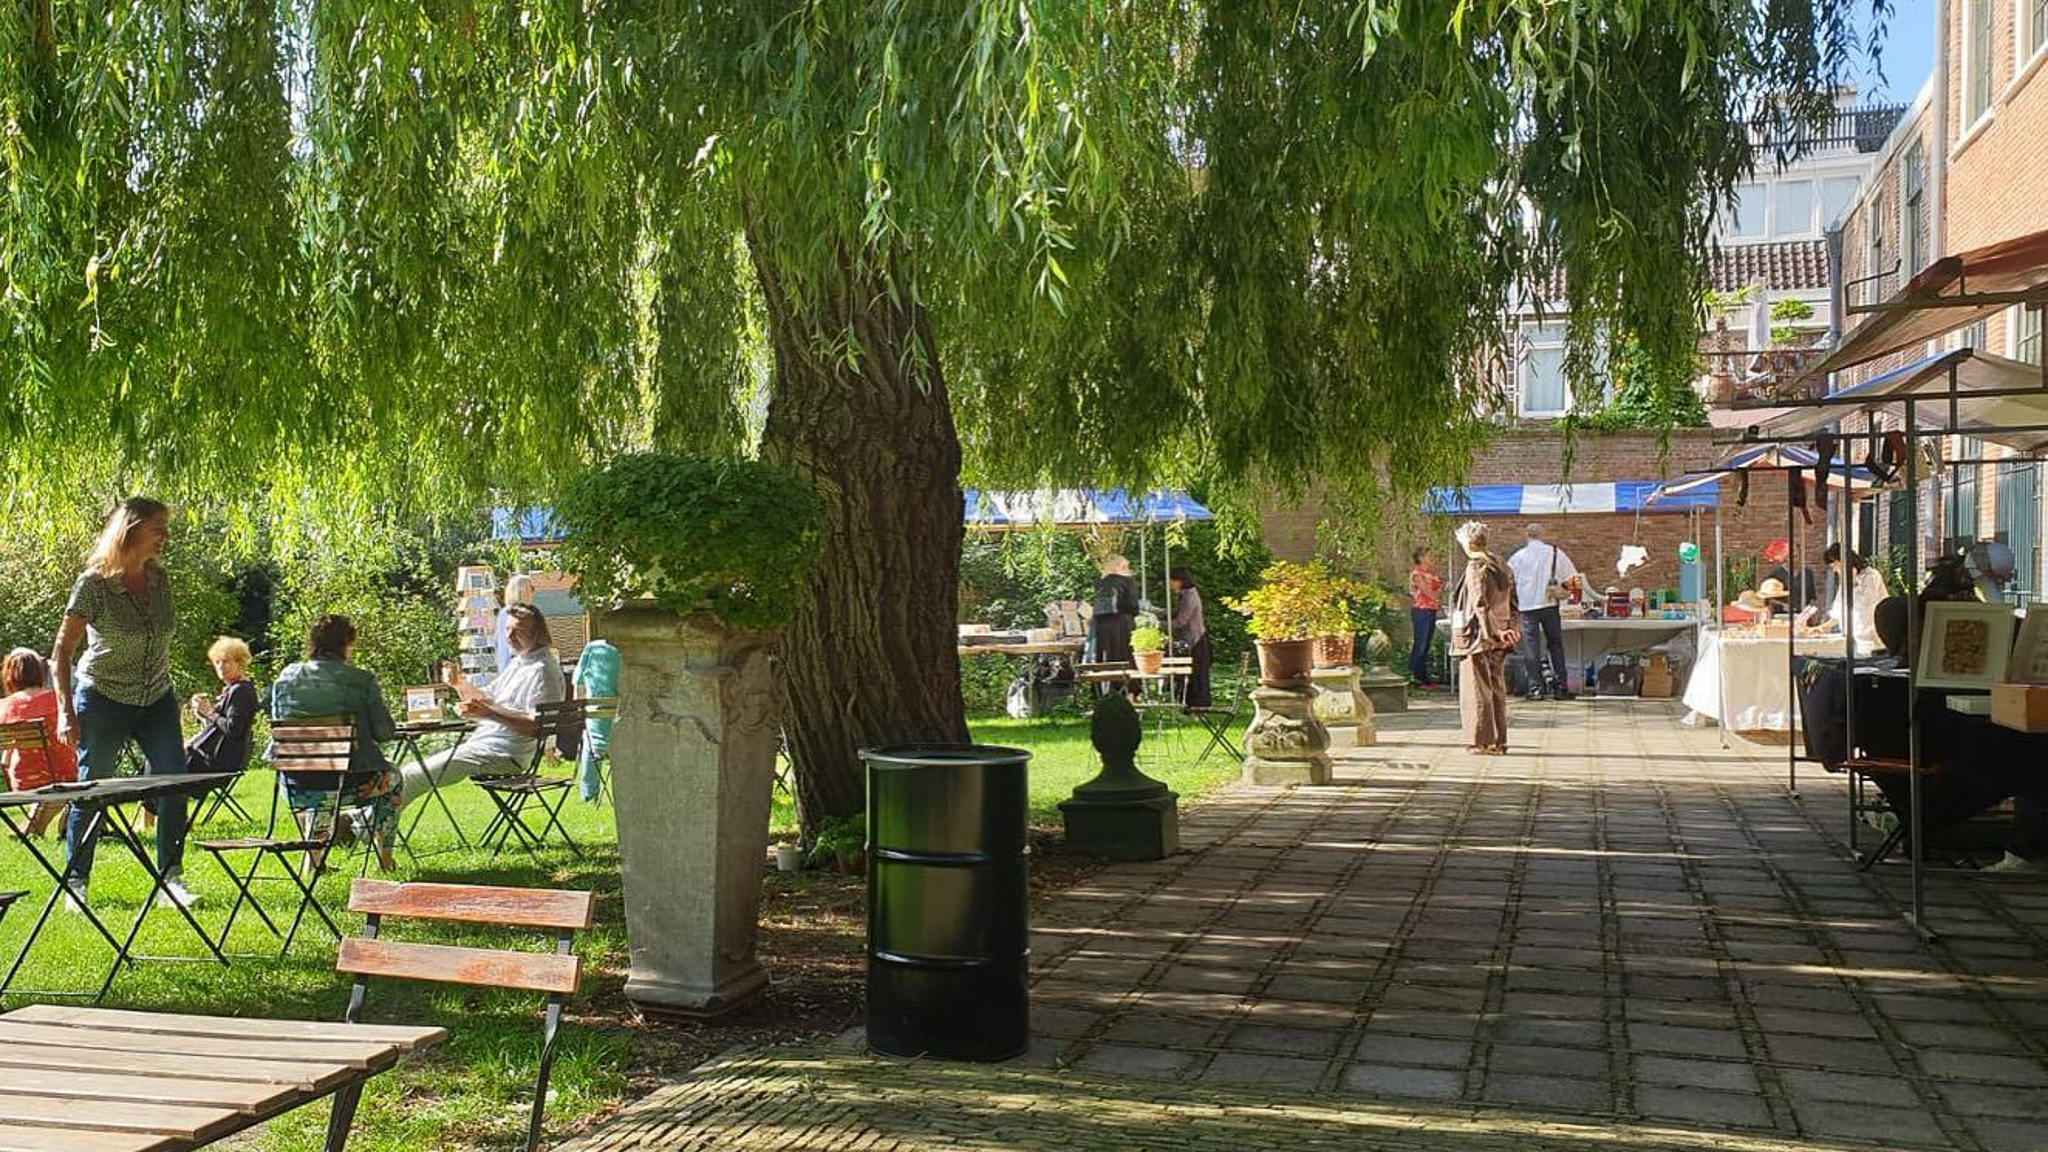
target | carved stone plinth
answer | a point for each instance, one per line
(1286, 744)
(1122, 813)
(1386, 688)
(1343, 709)
(693, 774)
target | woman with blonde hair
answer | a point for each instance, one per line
(1482, 635)
(120, 688)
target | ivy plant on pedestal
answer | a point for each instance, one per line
(691, 565)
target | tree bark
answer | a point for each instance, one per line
(871, 657)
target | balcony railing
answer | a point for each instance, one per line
(1863, 129)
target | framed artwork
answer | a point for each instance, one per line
(423, 703)
(1964, 644)
(2030, 655)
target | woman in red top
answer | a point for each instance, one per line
(1425, 600)
(25, 678)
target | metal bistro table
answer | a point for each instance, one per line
(100, 801)
(410, 745)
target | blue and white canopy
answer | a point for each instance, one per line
(1560, 499)
(1078, 507)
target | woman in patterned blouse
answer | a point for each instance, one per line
(120, 610)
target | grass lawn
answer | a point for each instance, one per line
(473, 1092)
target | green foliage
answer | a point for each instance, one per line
(1785, 317)
(355, 254)
(1647, 394)
(1007, 578)
(401, 605)
(1299, 601)
(839, 837)
(1148, 640)
(735, 537)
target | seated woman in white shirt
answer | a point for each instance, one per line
(506, 731)
(1869, 589)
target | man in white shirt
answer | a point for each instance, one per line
(507, 729)
(1542, 572)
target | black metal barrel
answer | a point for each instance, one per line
(948, 936)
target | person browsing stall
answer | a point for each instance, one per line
(1425, 601)
(119, 690)
(1869, 591)
(24, 677)
(1116, 611)
(1543, 574)
(1482, 634)
(507, 714)
(1191, 635)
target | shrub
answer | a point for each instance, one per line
(1148, 640)
(734, 537)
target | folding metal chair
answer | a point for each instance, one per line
(223, 797)
(7, 900)
(558, 913)
(1218, 722)
(514, 796)
(305, 748)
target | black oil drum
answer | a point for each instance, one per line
(948, 938)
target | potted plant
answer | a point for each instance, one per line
(674, 560)
(1284, 614)
(788, 857)
(1148, 649)
(842, 843)
(1345, 601)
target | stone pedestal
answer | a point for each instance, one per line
(1286, 744)
(1122, 813)
(693, 773)
(1386, 688)
(1343, 709)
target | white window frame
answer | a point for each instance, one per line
(1766, 191)
(1778, 230)
(2015, 323)
(1528, 333)
(2024, 32)
(1973, 68)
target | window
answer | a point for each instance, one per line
(1877, 267)
(1913, 228)
(1746, 216)
(1794, 206)
(1976, 61)
(1836, 192)
(2019, 517)
(1543, 390)
(1972, 335)
(2026, 331)
(2035, 35)
(1959, 514)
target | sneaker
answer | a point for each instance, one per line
(74, 895)
(2013, 862)
(175, 892)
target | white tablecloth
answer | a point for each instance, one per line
(1751, 673)
(1586, 641)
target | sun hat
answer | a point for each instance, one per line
(1772, 589)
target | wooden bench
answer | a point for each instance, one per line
(555, 974)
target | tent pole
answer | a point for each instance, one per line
(1914, 643)
(1847, 582)
(1720, 625)
(1793, 481)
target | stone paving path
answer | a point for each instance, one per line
(1619, 935)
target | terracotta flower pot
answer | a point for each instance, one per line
(1334, 651)
(1148, 662)
(1285, 663)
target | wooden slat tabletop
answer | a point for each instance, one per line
(106, 1080)
(15, 1138)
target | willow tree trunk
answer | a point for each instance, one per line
(871, 657)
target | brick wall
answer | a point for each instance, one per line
(1534, 454)
(1998, 170)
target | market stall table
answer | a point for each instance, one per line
(99, 801)
(100, 1080)
(1590, 638)
(1751, 676)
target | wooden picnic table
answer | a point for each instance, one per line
(106, 1080)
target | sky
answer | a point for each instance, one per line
(1908, 54)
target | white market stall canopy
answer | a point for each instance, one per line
(1078, 508)
(1997, 400)
(1561, 499)
(1762, 457)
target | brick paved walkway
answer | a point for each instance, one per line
(1619, 935)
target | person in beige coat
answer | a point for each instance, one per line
(1483, 632)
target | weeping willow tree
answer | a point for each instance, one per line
(375, 257)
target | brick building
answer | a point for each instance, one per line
(1965, 168)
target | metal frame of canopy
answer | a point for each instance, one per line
(2004, 410)
(1088, 508)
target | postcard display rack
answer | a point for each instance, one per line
(476, 622)
(1925, 400)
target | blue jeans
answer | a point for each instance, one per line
(587, 778)
(104, 728)
(1424, 622)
